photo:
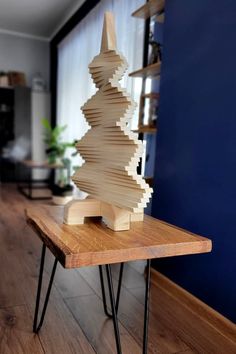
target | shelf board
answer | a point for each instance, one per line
(155, 95)
(146, 129)
(7, 87)
(151, 8)
(160, 18)
(152, 70)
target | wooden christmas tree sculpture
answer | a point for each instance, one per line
(110, 149)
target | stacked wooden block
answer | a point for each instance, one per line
(110, 149)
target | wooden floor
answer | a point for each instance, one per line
(74, 322)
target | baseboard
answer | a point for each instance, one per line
(212, 325)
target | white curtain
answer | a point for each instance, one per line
(77, 50)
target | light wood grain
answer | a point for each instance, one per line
(196, 331)
(108, 33)
(93, 243)
(76, 210)
(115, 218)
(146, 129)
(152, 71)
(15, 332)
(110, 149)
(216, 326)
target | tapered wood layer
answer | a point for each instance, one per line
(110, 149)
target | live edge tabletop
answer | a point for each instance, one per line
(94, 244)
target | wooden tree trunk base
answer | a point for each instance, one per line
(115, 218)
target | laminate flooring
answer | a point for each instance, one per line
(74, 322)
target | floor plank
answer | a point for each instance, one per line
(139, 266)
(16, 333)
(10, 294)
(74, 322)
(60, 333)
(131, 314)
(88, 311)
(194, 331)
(69, 282)
(131, 278)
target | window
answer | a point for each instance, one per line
(77, 50)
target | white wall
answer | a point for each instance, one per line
(24, 54)
(40, 107)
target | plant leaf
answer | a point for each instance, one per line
(46, 124)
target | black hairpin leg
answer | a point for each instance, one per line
(146, 308)
(118, 290)
(113, 309)
(114, 305)
(36, 327)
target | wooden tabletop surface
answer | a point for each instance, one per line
(93, 243)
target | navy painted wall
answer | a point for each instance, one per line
(195, 174)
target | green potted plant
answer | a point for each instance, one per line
(62, 190)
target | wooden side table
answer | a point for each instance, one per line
(94, 244)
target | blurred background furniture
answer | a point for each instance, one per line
(29, 187)
(21, 112)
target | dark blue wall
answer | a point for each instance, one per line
(195, 174)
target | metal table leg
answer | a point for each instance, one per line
(36, 327)
(118, 290)
(146, 308)
(113, 309)
(115, 304)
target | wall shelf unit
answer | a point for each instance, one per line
(151, 8)
(152, 13)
